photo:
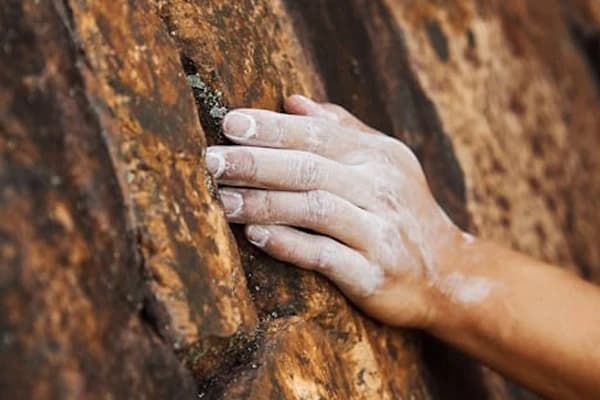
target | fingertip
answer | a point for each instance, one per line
(299, 104)
(302, 105)
(238, 124)
(215, 162)
(233, 202)
(258, 235)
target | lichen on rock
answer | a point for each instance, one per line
(210, 103)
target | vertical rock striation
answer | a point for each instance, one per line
(119, 275)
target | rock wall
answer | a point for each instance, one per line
(119, 276)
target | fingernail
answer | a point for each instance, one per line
(307, 101)
(232, 202)
(239, 125)
(257, 235)
(215, 163)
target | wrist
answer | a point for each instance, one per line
(455, 284)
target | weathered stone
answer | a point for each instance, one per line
(157, 147)
(116, 259)
(71, 286)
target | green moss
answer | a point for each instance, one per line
(211, 100)
(211, 107)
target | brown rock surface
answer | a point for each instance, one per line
(119, 276)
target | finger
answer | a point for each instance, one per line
(301, 105)
(316, 135)
(346, 267)
(348, 119)
(289, 170)
(317, 210)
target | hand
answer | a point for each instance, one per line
(370, 223)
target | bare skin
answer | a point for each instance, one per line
(379, 235)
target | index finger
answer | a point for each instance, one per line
(316, 135)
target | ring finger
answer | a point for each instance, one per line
(317, 210)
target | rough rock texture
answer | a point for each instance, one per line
(119, 276)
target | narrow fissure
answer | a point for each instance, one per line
(209, 103)
(213, 361)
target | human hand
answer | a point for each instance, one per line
(370, 223)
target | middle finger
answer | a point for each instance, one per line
(289, 170)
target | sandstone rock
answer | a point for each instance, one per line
(119, 276)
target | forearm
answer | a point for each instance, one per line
(537, 324)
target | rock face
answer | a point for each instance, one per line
(119, 276)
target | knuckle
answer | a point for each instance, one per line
(389, 242)
(268, 206)
(323, 257)
(395, 151)
(386, 194)
(255, 206)
(312, 134)
(241, 164)
(305, 172)
(281, 124)
(320, 205)
(290, 251)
